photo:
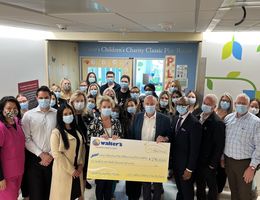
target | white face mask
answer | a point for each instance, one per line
(79, 106)
(253, 110)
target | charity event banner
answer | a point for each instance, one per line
(131, 160)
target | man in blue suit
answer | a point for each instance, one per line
(186, 140)
(151, 126)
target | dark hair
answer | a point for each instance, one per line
(61, 124)
(20, 95)
(56, 100)
(125, 76)
(88, 83)
(177, 92)
(91, 97)
(129, 100)
(43, 89)
(110, 72)
(3, 102)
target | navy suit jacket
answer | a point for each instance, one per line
(162, 126)
(186, 143)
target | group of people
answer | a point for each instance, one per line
(44, 150)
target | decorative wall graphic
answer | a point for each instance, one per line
(258, 49)
(232, 48)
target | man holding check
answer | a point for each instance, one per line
(151, 126)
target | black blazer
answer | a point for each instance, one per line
(162, 126)
(186, 143)
(213, 141)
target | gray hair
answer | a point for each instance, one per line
(243, 95)
(151, 96)
(213, 97)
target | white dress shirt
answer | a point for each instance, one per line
(243, 137)
(37, 127)
(148, 129)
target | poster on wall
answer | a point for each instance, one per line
(169, 70)
(182, 75)
(29, 89)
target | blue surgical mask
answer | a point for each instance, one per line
(163, 103)
(191, 100)
(150, 109)
(91, 80)
(93, 92)
(241, 109)
(68, 119)
(90, 106)
(52, 103)
(134, 95)
(124, 85)
(182, 109)
(224, 105)
(206, 109)
(44, 103)
(131, 109)
(79, 106)
(148, 93)
(57, 94)
(110, 80)
(24, 106)
(174, 100)
(82, 88)
(106, 111)
(172, 89)
(115, 115)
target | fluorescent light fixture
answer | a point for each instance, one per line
(22, 33)
(127, 41)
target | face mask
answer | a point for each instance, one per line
(57, 94)
(24, 106)
(134, 95)
(224, 105)
(131, 109)
(79, 106)
(67, 87)
(52, 103)
(241, 109)
(90, 106)
(253, 110)
(182, 109)
(191, 100)
(163, 103)
(148, 93)
(110, 80)
(150, 109)
(115, 115)
(11, 114)
(124, 85)
(174, 100)
(82, 88)
(68, 119)
(205, 108)
(172, 89)
(44, 103)
(91, 80)
(106, 111)
(93, 92)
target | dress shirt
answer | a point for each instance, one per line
(243, 137)
(184, 117)
(204, 117)
(148, 129)
(37, 127)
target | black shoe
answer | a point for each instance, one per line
(88, 186)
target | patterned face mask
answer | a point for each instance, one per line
(11, 114)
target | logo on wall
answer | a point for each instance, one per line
(232, 48)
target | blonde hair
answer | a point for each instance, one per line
(98, 89)
(110, 89)
(107, 99)
(75, 95)
(54, 87)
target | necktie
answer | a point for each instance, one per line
(178, 125)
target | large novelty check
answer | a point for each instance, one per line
(131, 160)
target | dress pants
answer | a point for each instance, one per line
(147, 191)
(133, 190)
(104, 189)
(221, 178)
(39, 179)
(235, 169)
(206, 177)
(185, 188)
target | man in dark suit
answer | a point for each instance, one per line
(151, 126)
(186, 145)
(212, 145)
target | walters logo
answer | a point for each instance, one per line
(97, 142)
